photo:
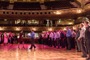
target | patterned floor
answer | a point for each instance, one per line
(42, 52)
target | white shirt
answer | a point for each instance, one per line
(73, 34)
(51, 35)
(55, 35)
(58, 34)
(82, 33)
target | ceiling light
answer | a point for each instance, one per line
(79, 10)
(70, 23)
(58, 12)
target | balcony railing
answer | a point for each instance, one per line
(43, 12)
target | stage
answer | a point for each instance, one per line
(42, 52)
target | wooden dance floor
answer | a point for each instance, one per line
(42, 52)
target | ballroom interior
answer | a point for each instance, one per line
(40, 16)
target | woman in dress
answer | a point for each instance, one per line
(5, 38)
(20, 40)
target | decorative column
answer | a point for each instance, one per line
(51, 24)
(47, 23)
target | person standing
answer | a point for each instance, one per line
(20, 41)
(62, 39)
(83, 41)
(55, 39)
(69, 36)
(0, 37)
(77, 41)
(10, 37)
(32, 40)
(5, 38)
(87, 37)
(73, 39)
(58, 38)
(51, 38)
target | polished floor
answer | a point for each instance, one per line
(42, 52)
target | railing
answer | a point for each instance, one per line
(39, 12)
(43, 12)
(23, 12)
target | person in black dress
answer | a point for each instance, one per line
(20, 40)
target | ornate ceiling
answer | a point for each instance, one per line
(85, 1)
(42, 0)
(81, 2)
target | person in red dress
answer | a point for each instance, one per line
(20, 40)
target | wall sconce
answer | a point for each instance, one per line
(34, 29)
(70, 23)
(1, 28)
(50, 29)
(5, 19)
(17, 28)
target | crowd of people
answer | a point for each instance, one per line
(58, 39)
(7, 37)
(69, 39)
(78, 39)
(13, 38)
